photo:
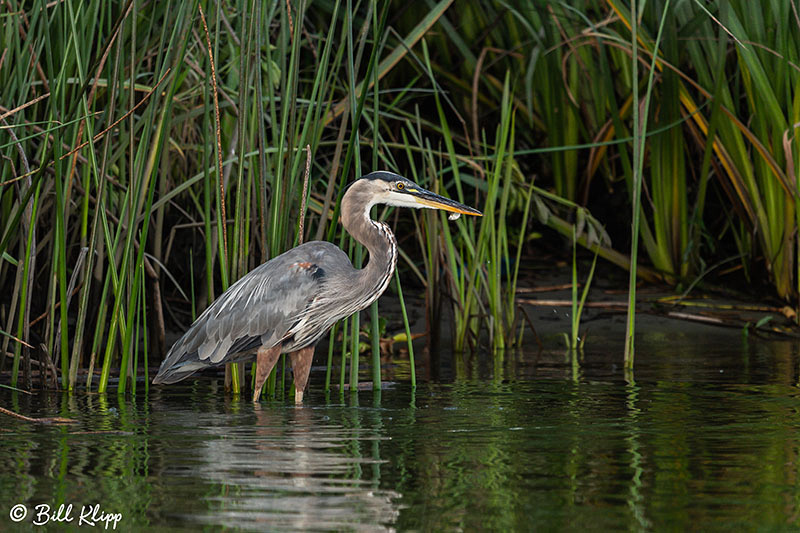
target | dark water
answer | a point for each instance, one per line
(704, 437)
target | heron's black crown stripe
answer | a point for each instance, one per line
(382, 175)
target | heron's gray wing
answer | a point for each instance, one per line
(258, 310)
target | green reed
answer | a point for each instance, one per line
(703, 102)
(482, 261)
(214, 124)
(493, 96)
(574, 340)
(639, 136)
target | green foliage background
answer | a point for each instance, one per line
(114, 133)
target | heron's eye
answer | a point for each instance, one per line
(400, 186)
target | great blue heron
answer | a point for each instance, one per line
(288, 303)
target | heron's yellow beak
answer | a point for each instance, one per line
(432, 200)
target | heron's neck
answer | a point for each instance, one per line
(379, 241)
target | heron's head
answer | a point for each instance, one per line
(391, 189)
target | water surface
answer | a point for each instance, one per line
(706, 439)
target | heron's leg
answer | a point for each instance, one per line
(265, 361)
(301, 366)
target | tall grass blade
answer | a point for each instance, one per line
(639, 136)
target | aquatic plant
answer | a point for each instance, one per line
(150, 156)
(170, 128)
(574, 341)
